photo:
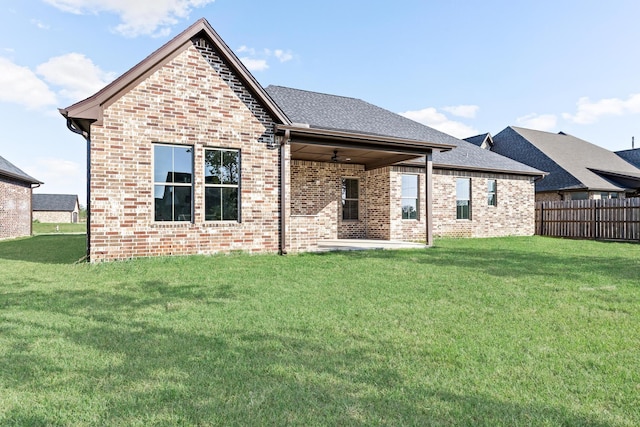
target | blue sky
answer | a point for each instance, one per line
(463, 67)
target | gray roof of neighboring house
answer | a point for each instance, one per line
(570, 161)
(478, 139)
(10, 170)
(54, 202)
(332, 112)
(632, 156)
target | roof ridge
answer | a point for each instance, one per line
(320, 93)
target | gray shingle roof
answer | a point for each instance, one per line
(477, 139)
(570, 161)
(631, 156)
(54, 202)
(10, 170)
(332, 112)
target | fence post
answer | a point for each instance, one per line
(542, 218)
(596, 220)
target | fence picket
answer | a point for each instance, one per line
(606, 219)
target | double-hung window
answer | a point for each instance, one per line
(350, 193)
(409, 197)
(463, 198)
(492, 192)
(172, 182)
(221, 185)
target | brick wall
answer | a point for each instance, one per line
(315, 205)
(513, 215)
(15, 208)
(52, 216)
(194, 100)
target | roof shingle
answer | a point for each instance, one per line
(332, 112)
(54, 202)
(12, 171)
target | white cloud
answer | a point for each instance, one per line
(76, 75)
(59, 175)
(40, 24)
(282, 55)
(544, 122)
(247, 50)
(253, 64)
(590, 111)
(139, 17)
(21, 86)
(256, 60)
(466, 111)
(433, 118)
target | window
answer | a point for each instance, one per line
(492, 197)
(172, 182)
(579, 195)
(221, 185)
(349, 199)
(463, 198)
(409, 197)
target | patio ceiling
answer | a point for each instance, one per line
(372, 151)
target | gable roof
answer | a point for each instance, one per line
(90, 110)
(483, 140)
(10, 170)
(572, 163)
(632, 156)
(340, 113)
(54, 202)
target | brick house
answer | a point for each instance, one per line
(15, 200)
(188, 154)
(63, 208)
(576, 169)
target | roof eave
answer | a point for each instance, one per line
(90, 110)
(27, 179)
(380, 142)
(536, 173)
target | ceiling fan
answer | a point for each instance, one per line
(339, 159)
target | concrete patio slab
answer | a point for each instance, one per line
(365, 244)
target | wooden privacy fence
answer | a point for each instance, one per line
(606, 219)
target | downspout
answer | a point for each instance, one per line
(283, 194)
(73, 128)
(36, 185)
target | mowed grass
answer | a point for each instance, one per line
(490, 332)
(61, 227)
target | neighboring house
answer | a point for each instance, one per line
(15, 200)
(632, 156)
(56, 208)
(576, 168)
(190, 155)
(484, 141)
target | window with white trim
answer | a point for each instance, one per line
(463, 198)
(172, 182)
(221, 185)
(409, 197)
(492, 192)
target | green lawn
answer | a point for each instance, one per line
(52, 227)
(512, 332)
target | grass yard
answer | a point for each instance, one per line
(478, 332)
(52, 227)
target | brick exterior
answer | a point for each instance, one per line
(316, 210)
(553, 196)
(15, 208)
(58, 216)
(513, 216)
(196, 101)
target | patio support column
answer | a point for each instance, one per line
(428, 174)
